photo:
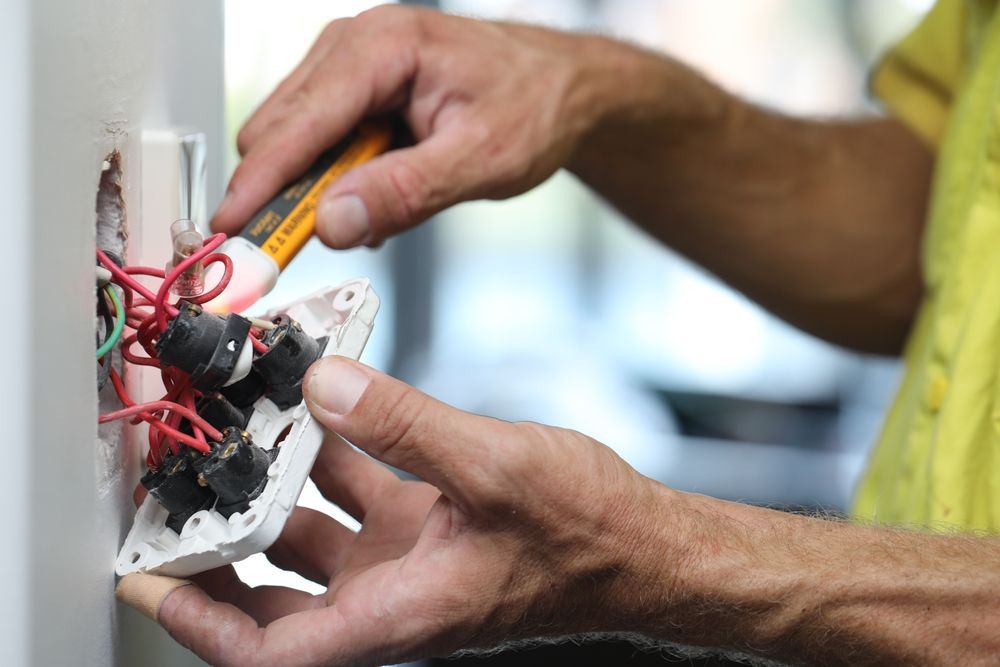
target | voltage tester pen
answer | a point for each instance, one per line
(281, 228)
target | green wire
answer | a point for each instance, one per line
(116, 333)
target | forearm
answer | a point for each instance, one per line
(820, 222)
(812, 591)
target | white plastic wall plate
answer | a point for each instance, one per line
(346, 314)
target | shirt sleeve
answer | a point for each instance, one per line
(917, 78)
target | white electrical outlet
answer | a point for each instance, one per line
(208, 539)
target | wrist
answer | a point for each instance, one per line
(613, 577)
(650, 562)
(733, 581)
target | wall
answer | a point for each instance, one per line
(80, 80)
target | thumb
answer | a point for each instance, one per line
(405, 428)
(396, 191)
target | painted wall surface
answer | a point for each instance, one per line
(80, 80)
(14, 115)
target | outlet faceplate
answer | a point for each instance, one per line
(345, 314)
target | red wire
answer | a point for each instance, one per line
(160, 406)
(154, 457)
(133, 358)
(157, 406)
(173, 421)
(129, 298)
(144, 271)
(175, 383)
(160, 300)
(258, 345)
(227, 275)
(124, 279)
(188, 401)
(179, 402)
(145, 334)
(116, 382)
(180, 437)
(146, 411)
(123, 396)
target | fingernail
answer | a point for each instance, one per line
(146, 592)
(336, 386)
(343, 221)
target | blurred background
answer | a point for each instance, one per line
(550, 307)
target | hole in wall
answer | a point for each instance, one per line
(111, 234)
(112, 231)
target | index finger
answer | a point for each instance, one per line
(364, 78)
(277, 158)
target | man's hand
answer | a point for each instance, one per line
(519, 530)
(494, 109)
(833, 210)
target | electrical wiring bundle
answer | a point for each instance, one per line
(230, 443)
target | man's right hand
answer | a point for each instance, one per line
(834, 210)
(494, 109)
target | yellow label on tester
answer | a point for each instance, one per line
(288, 221)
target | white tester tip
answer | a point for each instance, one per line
(254, 275)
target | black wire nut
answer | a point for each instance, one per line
(221, 413)
(290, 353)
(175, 485)
(236, 470)
(244, 394)
(204, 345)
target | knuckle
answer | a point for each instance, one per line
(385, 14)
(245, 138)
(303, 100)
(499, 148)
(332, 29)
(540, 451)
(516, 468)
(394, 25)
(510, 164)
(309, 122)
(395, 422)
(410, 194)
(257, 170)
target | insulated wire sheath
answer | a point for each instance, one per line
(103, 370)
(116, 333)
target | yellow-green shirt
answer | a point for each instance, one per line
(938, 461)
